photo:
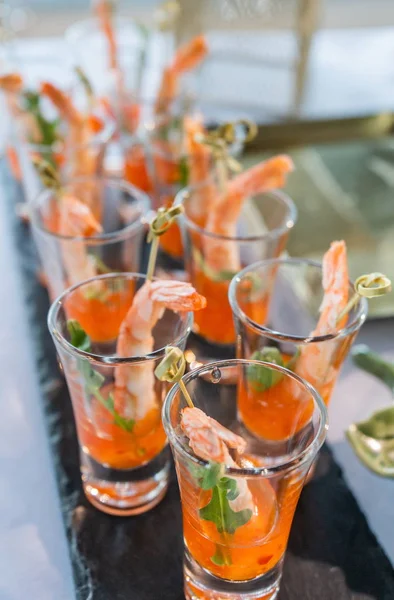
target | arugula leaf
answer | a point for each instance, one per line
(219, 511)
(262, 378)
(222, 556)
(210, 273)
(92, 379)
(183, 171)
(48, 129)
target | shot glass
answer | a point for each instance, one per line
(262, 232)
(172, 168)
(237, 519)
(275, 304)
(67, 259)
(123, 449)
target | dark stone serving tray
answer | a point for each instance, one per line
(332, 555)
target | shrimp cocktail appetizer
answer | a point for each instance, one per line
(229, 224)
(116, 399)
(175, 158)
(238, 494)
(310, 317)
(89, 227)
(72, 141)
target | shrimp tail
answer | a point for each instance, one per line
(12, 83)
(190, 55)
(62, 102)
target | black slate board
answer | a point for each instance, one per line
(332, 554)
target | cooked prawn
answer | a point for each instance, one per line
(134, 386)
(211, 441)
(63, 104)
(12, 87)
(264, 177)
(12, 82)
(104, 11)
(186, 59)
(76, 220)
(315, 361)
(82, 162)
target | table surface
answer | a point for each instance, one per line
(34, 558)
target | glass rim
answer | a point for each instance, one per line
(349, 328)
(98, 359)
(101, 238)
(281, 467)
(280, 195)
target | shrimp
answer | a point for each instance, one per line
(104, 10)
(266, 176)
(12, 86)
(12, 82)
(200, 160)
(211, 441)
(82, 161)
(314, 362)
(63, 103)
(134, 386)
(186, 59)
(77, 220)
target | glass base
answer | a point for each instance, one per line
(199, 584)
(125, 492)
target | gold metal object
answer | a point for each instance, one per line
(371, 285)
(172, 368)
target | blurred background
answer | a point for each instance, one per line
(316, 75)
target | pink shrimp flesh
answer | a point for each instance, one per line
(76, 220)
(211, 441)
(315, 361)
(208, 439)
(264, 177)
(104, 10)
(134, 386)
(186, 58)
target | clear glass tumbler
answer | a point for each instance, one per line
(237, 519)
(124, 456)
(170, 170)
(275, 305)
(262, 232)
(121, 209)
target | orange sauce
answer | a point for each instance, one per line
(111, 445)
(215, 322)
(135, 170)
(276, 413)
(100, 319)
(255, 547)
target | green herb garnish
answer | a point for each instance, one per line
(218, 509)
(262, 378)
(183, 171)
(48, 129)
(92, 379)
(221, 557)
